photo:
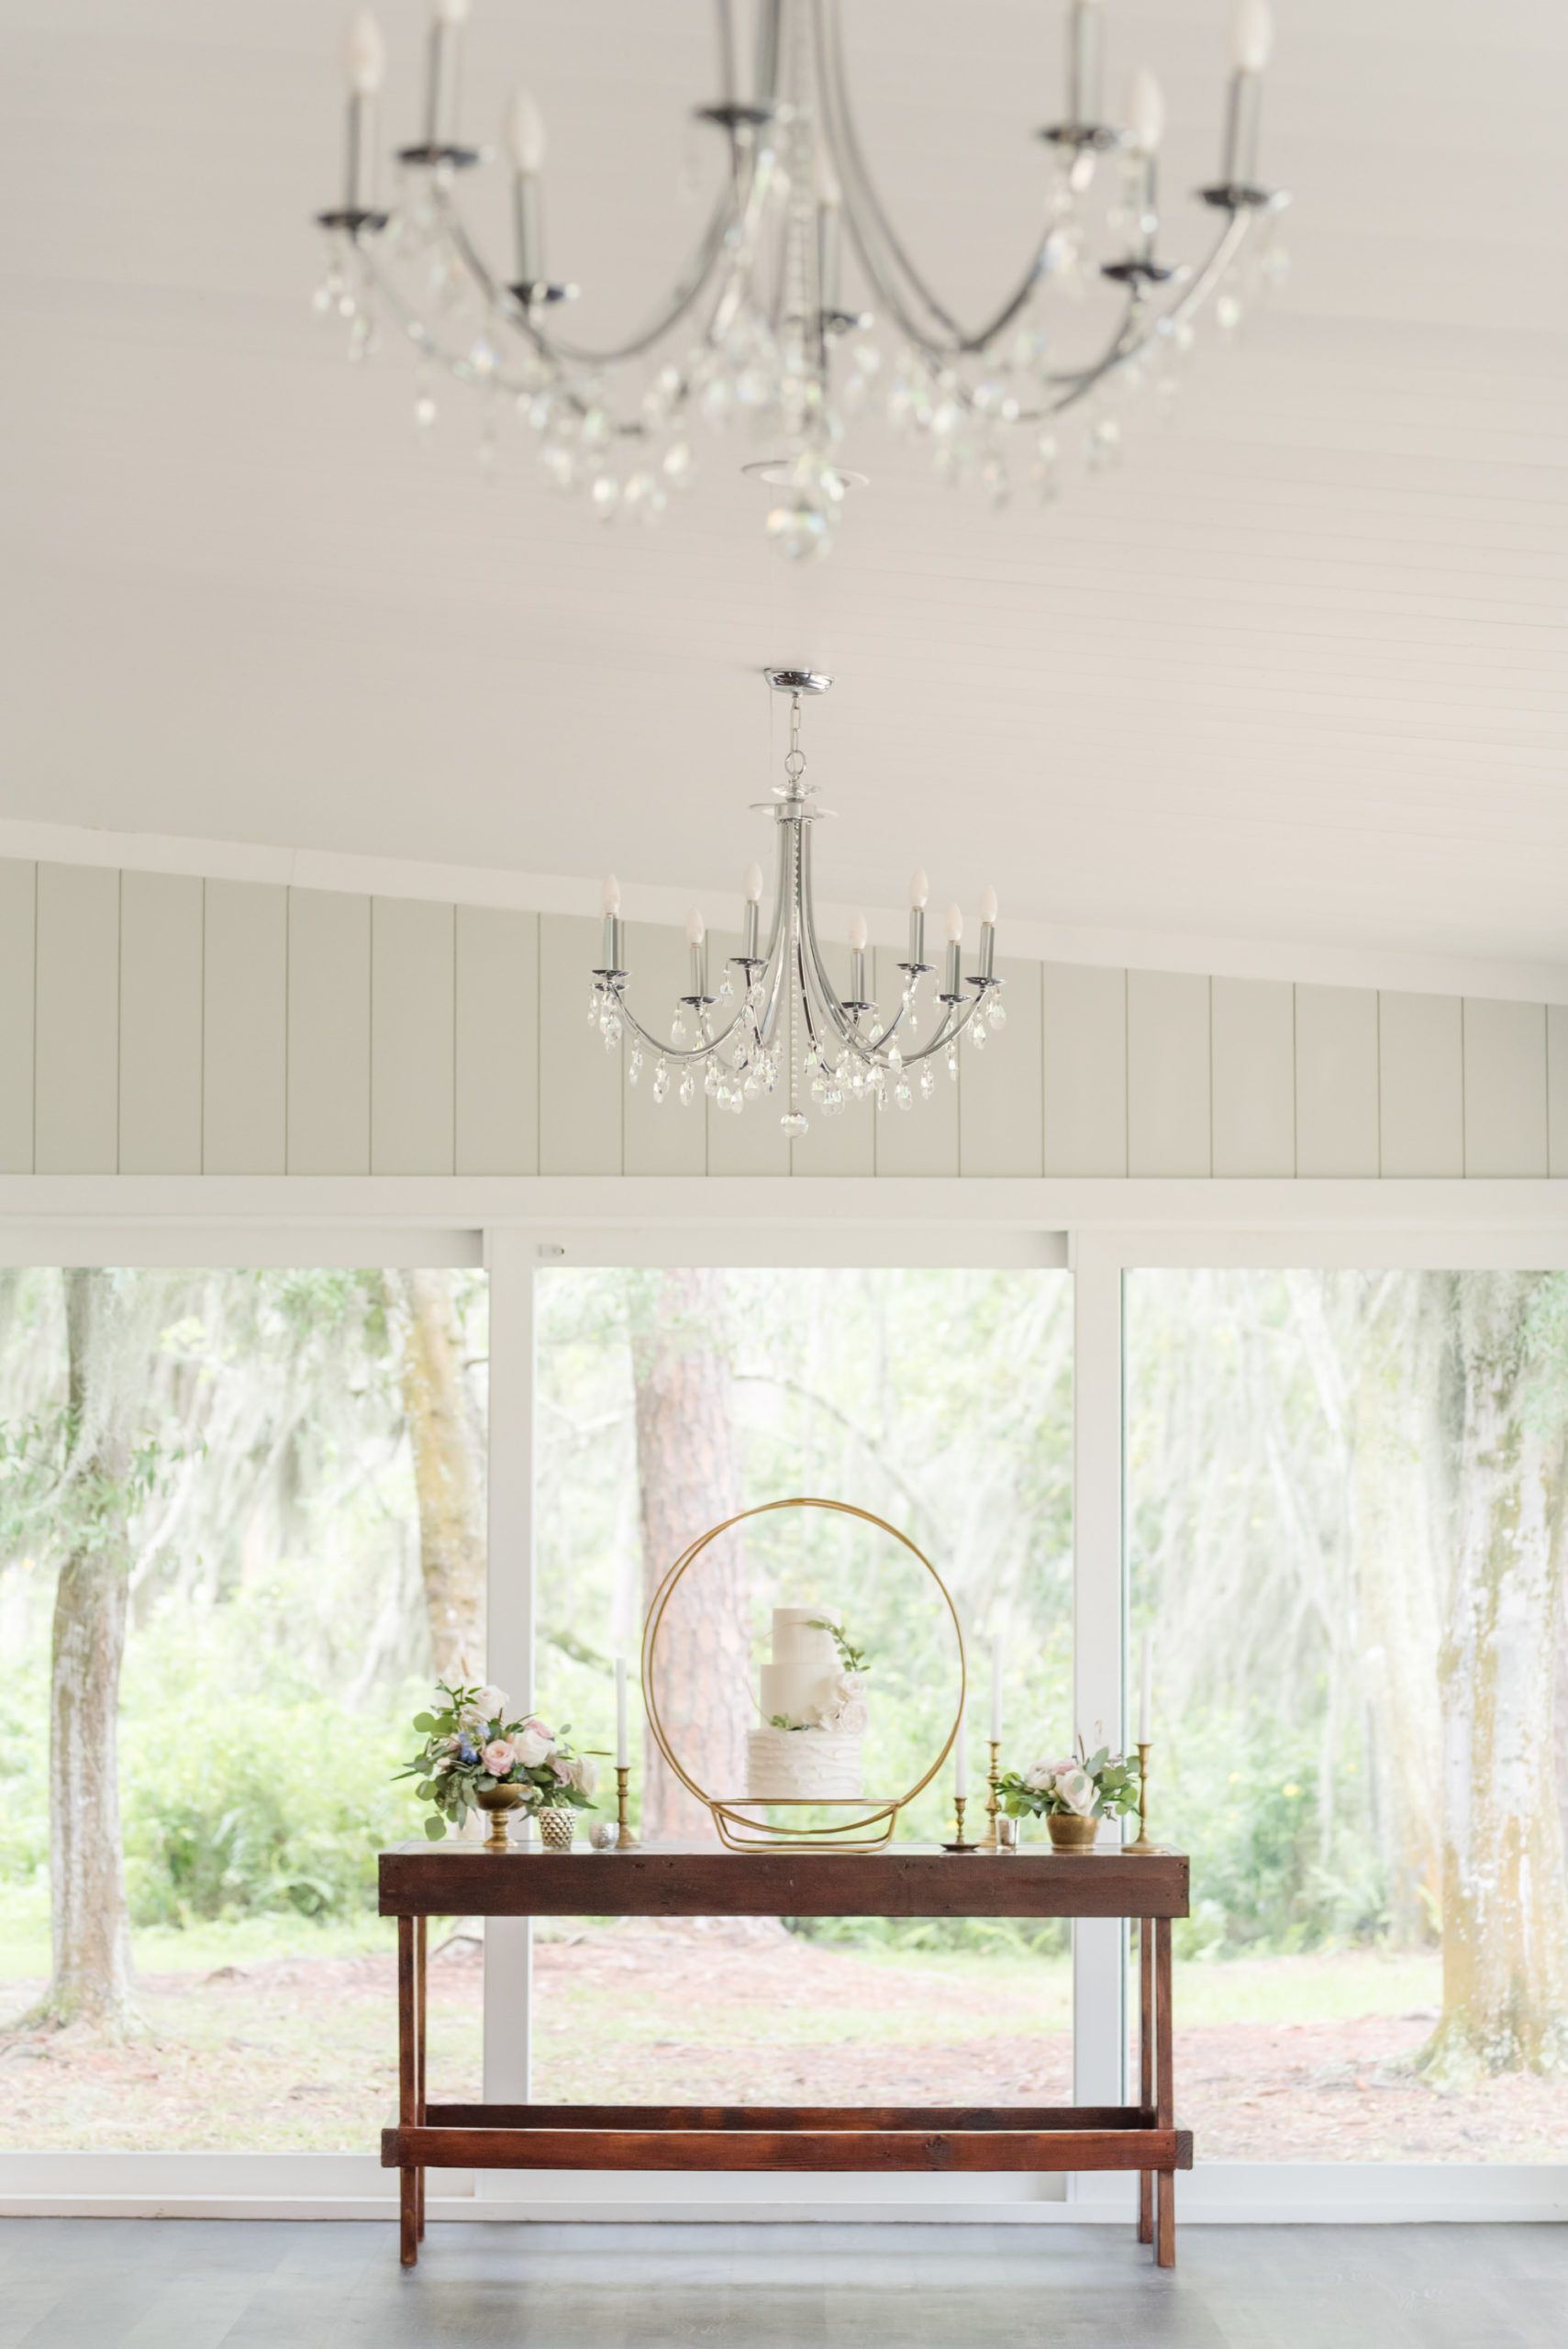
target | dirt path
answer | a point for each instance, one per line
(301, 2053)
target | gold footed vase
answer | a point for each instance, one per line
(1068, 1832)
(499, 1802)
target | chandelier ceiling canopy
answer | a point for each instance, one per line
(764, 328)
(777, 1018)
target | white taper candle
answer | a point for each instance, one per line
(623, 1739)
(1146, 1699)
(997, 1691)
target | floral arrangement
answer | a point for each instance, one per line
(1102, 1785)
(471, 1746)
(845, 1708)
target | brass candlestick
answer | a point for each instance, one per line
(992, 1799)
(624, 1839)
(1141, 1842)
(959, 1804)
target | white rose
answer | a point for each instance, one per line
(1039, 1779)
(532, 1748)
(849, 1685)
(583, 1773)
(1076, 1789)
(492, 1703)
(854, 1717)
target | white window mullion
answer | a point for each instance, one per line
(1099, 1943)
(509, 1649)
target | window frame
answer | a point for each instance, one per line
(1100, 1229)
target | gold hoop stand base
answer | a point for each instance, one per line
(871, 1830)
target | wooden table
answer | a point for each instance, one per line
(456, 1880)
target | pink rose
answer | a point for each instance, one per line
(499, 1756)
(561, 1769)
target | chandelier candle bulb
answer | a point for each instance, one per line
(522, 132)
(988, 934)
(858, 935)
(696, 939)
(952, 984)
(614, 948)
(1084, 64)
(920, 890)
(1243, 113)
(441, 92)
(752, 888)
(828, 241)
(364, 59)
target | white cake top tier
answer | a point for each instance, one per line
(797, 1641)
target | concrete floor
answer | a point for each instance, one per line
(193, 2284)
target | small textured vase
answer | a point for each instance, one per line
(1068, 1832)
(557, 1826)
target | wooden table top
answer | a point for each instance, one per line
(699, 1880)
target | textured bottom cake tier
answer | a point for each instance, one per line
(804, 1765)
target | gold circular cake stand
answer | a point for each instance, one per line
(871, 1822)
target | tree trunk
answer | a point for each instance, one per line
(448, 1474)
(1398, 1539)
(1505, 1906)
(89, 1920)
(689, 1479)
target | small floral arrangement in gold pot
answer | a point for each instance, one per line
(474, 1758)
(1073, 1796)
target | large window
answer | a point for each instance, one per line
(1348, 1502)
(241, 1516)
(942, 1401)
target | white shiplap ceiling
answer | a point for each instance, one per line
(1293, 675)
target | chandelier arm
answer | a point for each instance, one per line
(954, 1025)
(853, 171)
(832, 1010)
(699, 1052)
(844, 146)
(455, 364)
(1193, 296)
(687, 290)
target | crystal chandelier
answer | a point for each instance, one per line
(777, 1018)
(757, 331)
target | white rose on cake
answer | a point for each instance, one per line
(845, 1707)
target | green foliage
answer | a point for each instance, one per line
(1280, 1864)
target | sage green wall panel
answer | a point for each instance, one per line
(328, 1034)
(18, 893)
(161, 921)
(76, 1079)
(497, 1072)
(413, 1039)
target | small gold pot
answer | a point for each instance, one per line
(1068, 1832)
(557, 1826)
(499, 1801)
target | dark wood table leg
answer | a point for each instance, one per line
(1164, 2094)
(421, 1957)
(1146, 2066)
(407, 2087)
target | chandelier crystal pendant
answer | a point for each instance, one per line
(776, 1018)
(757, 331)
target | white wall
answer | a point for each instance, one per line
(155, 1024)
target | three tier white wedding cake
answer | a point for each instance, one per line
(814, 1711)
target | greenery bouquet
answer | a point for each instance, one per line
(471, 1746)
(1101, 1785)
